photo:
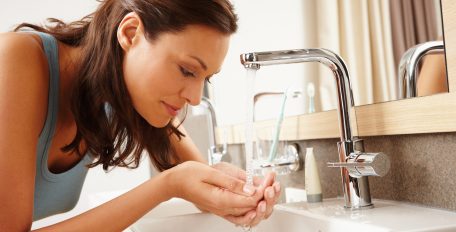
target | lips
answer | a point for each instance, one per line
(172, 110)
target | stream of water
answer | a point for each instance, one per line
(249, 131)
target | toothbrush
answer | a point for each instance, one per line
(311, 95)
(273, 150)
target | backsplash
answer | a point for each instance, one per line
(423, 168)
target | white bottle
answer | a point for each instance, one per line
(312, 179)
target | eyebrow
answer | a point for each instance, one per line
(200, 62)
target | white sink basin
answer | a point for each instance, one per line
(179, 215)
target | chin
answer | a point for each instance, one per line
(156, 119)
(159, 123)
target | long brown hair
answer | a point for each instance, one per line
(118, 138)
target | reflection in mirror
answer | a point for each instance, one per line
(373, 35)
(370, 35)
(430, 74)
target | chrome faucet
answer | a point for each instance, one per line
(407, 73)
(216, 151)
(355, 165)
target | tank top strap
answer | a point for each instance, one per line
(51, 51)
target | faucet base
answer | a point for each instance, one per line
(355, 208)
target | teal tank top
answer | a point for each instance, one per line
(54, 193)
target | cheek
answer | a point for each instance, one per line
(149, 82)
(140, 80)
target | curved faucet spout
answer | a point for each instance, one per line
(408, 66)
(216, 151)
(328, 58)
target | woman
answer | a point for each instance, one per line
(100, 91)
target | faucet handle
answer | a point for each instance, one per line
(365, 164)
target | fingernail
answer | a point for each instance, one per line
(271, 193)
(252, 216)
(277, 187)
(249, 189)
(263, 207)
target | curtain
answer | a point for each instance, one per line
(370, 36)
(359, 31)
(414, 22)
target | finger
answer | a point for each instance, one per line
(239, 174)
(276, 186)
(270, 196)
(242, 220)
(269, 179)
(260, 213)
(230, 183)
(227, 169)
(257, 181)
(266, 182)
(231, 170)
(277, 190)
(223, 200)
(238, 212)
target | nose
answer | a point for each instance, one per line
(193, 92)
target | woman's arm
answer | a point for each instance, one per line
(119, 213)
(23, 100)
(219, 193)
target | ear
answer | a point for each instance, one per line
(130, 30)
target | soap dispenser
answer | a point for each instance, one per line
(312, 178)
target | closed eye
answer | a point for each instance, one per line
(185, 72)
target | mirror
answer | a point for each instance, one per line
(370, 35)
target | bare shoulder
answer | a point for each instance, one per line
(20, 43)
(23, 76)
(25, 49)
(22, 53)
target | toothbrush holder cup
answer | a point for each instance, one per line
(273, 154)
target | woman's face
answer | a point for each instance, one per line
(163, 75)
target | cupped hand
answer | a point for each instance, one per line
(268, 186)
(215, 191)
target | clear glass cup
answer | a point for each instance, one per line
(263, 160)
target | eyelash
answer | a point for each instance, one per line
(187, 73)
